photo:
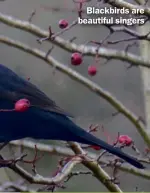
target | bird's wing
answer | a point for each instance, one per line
(14, 88)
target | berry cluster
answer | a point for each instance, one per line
(77, 58)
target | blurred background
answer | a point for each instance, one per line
(70, 95)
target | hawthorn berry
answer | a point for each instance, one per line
(96, 147)
(125, 140)
(92, 70)
(63, 23)
(76, 59)
(22, 105)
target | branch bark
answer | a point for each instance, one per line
(63, 151)
(145, 74)
(38, 179)
(72, 47)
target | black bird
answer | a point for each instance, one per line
(44, 119)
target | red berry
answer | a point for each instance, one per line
(95, 147)
(125, 139)
(22, 105)
(63, 23)
(76, 59)
(92, 70)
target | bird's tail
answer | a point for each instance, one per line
(58, 127)
(87, 138)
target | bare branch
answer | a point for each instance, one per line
(122, 3)
(63, 151)
(53, 36)
(77, 173)
(67, 45)
(38, 179)
(15, 186)
(98, 172)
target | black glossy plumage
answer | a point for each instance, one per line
(44, 120)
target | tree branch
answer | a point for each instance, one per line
(122, 3)
(63, 151)
(98, 172)
(72, 47)
(9, 186)
(38, 179)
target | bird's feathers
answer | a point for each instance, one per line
(14, 87)
(45, 120)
